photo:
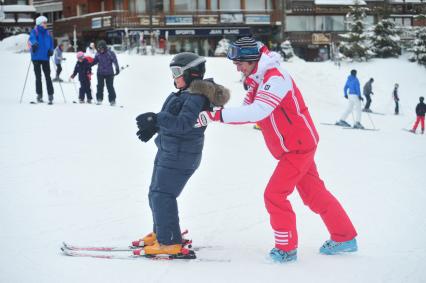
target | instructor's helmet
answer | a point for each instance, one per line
(189, 65)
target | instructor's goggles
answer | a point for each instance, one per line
(235, 52)
(178, 71)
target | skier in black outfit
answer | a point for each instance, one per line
(396, 99)
(368, 91)
(179, 145)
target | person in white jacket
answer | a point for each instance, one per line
(91, 50)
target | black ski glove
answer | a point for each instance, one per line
(146, 135)
(117, 72)
(346, 96)
(147, 121)
(147, 124)
(361, 98)
(49, 52)
(34, 47)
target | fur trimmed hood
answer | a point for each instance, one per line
(216, 93)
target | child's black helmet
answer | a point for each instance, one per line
(421, 98)
(189, 65)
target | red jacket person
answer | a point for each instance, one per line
(275, 103)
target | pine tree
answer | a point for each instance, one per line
(354, 44)
(386, 40)
(419, 46)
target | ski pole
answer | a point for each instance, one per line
(63, 95)
(369, 117)
(25, 83)
(60, 85)
(124, 67)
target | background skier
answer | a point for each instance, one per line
(41, 50)
(276, 104)
(179, 147)
(420, 112)
(352, 92)
(91, 50)
(396, 98)
(58, 58)
(105, 74)
(84, 71)
(368, 91)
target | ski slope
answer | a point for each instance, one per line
(78, 173)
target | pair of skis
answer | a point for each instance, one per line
(349, 128)
(136, 252)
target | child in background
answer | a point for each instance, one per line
(58, 58)
(84, 71)
(420, 112)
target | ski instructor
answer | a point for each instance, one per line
(275, 103)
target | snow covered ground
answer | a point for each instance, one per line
(77, 173)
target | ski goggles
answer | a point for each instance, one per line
(235, 53)
(178, 71)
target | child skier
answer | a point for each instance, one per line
(420, 111)
(179, 147)
(58, 58)
(84, 71)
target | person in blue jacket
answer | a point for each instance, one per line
(179, 145)
(352, 92)
(41, 50)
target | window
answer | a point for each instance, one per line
(229, 5)
(137, 6)
(118, 5)
(213, 5)
(185, 5)
(81, 9)
(300, 23)
(255, 5)
(329, 23)
(202, 5)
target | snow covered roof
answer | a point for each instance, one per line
(338, 2)
(19, 9)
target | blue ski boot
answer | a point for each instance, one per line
(331, 247)
(281, 256)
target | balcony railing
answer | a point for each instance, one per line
(125, 19)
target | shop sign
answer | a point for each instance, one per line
(184, 32)
(258, 19)
(144, 20)
(320, 38)
(106, 21)
(215, 32)
(207, 32)
(96, 23)
(178, 20)
(234, 31)
(231, 18)
(208, 20)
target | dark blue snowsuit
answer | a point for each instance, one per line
(179, 154)
(84, 71)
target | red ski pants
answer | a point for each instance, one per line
(300, 171)
(421, 120)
